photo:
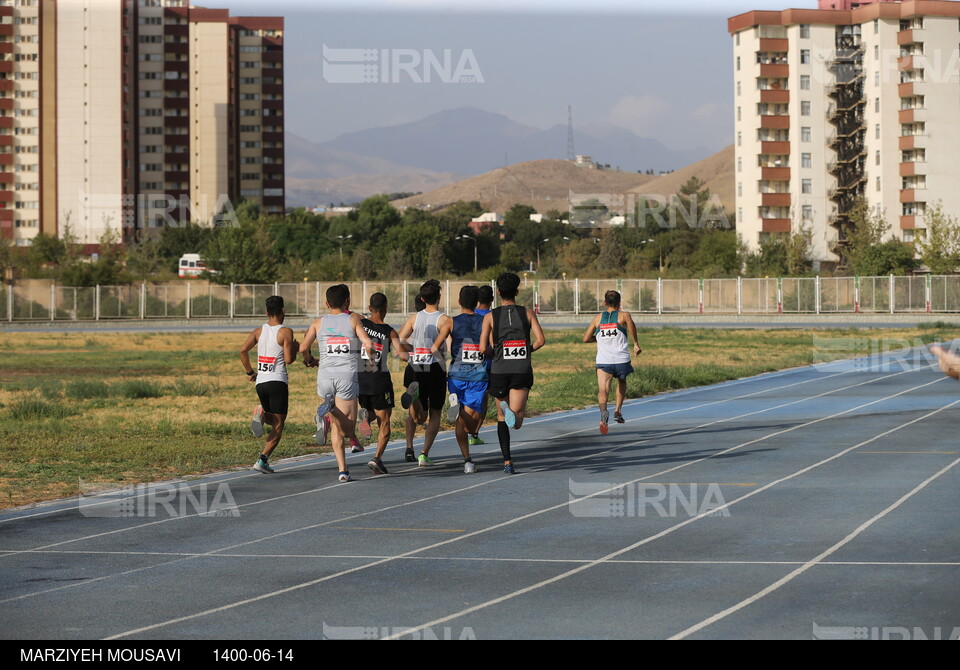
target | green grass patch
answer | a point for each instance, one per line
(87, 389)
(137, 388)
(36, 409)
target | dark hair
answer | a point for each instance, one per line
(509, 285)
(378, 303)
(485, 295)
(430, 292)
(274, 305)
(611, 298)
(469, 296)
(418, 303)
(337, 296)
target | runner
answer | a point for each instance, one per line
(467, 376)
(609, 330)
(276, 349)
(425, 378)
(949, 361)
(339, 337)
(484, 302)
(507, 331)
(376, 387)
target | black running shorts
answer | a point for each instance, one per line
(273, 397)
(433, 385)
(376, 401)
(500, 385)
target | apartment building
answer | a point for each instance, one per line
(850, 100)
(131, 115)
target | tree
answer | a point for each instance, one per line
(398, 265)
(611, 259)
(940, 249)
(717, 254)
(799, 250)
(143, 260)
(867, 229)
(241, 255)
(893, 257)
(363, 264)
(693, 197)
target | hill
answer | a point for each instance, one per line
(541, 184)
(716, 170)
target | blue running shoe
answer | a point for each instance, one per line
(508, 416)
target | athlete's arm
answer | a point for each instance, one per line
(406, 330)
(399, 348)
(627, 321)
(305, 346)
(538, 340)
(590, 335)
(444, 328)
(365, 340)
(486, 334)
(286, 340)
(249, 344)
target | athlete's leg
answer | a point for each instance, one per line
(275, 421)
(340, 421)
(949, 361)
(468, 423)
(518, 404)
(621, 393)
(383, 434)
(603, 388)
(433, 427)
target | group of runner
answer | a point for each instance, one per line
(490, 355)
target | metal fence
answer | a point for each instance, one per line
(767, 296)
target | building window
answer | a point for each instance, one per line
(876, 52)
(739, 138)
(807, 212)
(804, 108)
(805, 134)
(738, 63)
(738, 88)
(876, 105)
(739, 115)
(740, 189)
(878, 158)
(876, 26)
(877, 131)
(878, 183)
(806, 186)
(804, 82)
(739, 165)
(804, 31)
(876, 78)
(805, 56)
(806, 160)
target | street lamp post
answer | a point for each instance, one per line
(474, 240)
(342, 238)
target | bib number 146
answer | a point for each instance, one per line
(514, 350)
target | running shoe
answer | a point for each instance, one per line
(475, 439)
(508, 416)
(355, 446)
(508, 469)
(323, 422)
(256, 425)
(364, 431)
(262, 466)
(410, 457)
(424, 460)
(344, 477)
(410, 395)
(604, 418)
(376, 465)
(453, 411)
(469, 468)
(618, 417)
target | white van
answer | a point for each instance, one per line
(191, 265)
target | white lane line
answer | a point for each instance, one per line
(811, 563)
(647, 540)
(323, 458)
(562, 435)
(504, 524)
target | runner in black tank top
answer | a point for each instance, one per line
(511, 334)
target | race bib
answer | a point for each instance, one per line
(338, 346)
(470, 354)
(608, 330)
(421, 356)
(377, 352)
(514, 350)
(266, 364)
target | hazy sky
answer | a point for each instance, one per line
(662, 70)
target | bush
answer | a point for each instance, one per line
(85, 390)
(137, 388)
(34, 409)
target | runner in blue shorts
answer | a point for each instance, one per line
(609, 330)
(467, 374)
(484, 304)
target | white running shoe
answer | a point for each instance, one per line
(320, 420)
(453, 411)
(469, 468)
(256, 425)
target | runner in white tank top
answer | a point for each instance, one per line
(610, 330)
(276, 348)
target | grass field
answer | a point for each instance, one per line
(135, 408)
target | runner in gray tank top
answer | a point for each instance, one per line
(339, 336)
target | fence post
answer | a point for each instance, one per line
(779, 295)
(53, 300)
(276, 288)
(232, 311)
(739, 296)
(816, 294)
(96, 303)
(856, 294)
(186, 308)
(143, 300)
(700, 289)
(447, 299)
(366, 298)
(536, 296)
(893, 294)
(317, 313)
(405, 311)
(576, 296)
(929, 294)
(10, 302)
(659, 295)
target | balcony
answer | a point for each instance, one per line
(913, 195)
(775, 199)
(6, 47)
(908, 142)
(775, 225)
(6, 84)
(769, 97)
(773, 45)
(905, 63)
(6, 122)
(176, 30)
(912, 169)
(906, 90)
(6, 65)
(775, 148)
(6, 103)
(6, 30)
(775, 71)
(775, 174)
(913, 115)
(905, 37)
(6, 10)
(908, 222)
(775, 121)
